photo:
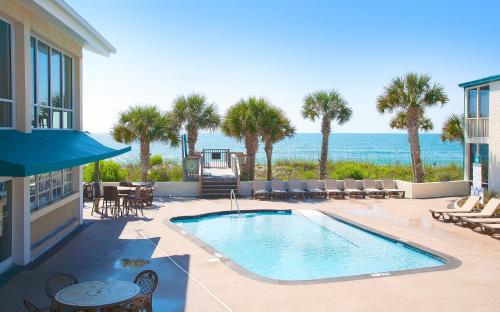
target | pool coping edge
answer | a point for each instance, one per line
(449, 262)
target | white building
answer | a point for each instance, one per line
(42, 146)
(482, 128)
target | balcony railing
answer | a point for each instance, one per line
(477, 127)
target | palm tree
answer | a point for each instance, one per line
(145, 124)
(274, 126)
(196, 114)
(242, 123)
(329, 106)
(453, 130)
(409, 96)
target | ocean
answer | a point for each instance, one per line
(377, 148)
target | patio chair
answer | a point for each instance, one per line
(334, 188)
(112, 200)
(33, 308)
(295, 189)
(88, 191)
(278, 189)
(371, 189)
(148, 196)
(468, 206)
(391, 189)
(488, 211)
(147, 282)
(57, 282)
(126, 184)
(350, 189)
(314, 188)
(136, 200)
(260, 190)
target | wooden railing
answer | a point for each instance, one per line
(235, 167)
(477, 127)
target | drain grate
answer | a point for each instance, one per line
(127, 263)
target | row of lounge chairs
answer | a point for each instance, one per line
(325, 189)
(467, 215)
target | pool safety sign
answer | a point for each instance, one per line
(477, 178)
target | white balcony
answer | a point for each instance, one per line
(477, 128)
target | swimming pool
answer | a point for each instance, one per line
(304, 245)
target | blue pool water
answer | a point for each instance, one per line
(303, 245)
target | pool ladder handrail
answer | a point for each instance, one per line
(232, 196)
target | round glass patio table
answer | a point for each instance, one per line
(97, 294)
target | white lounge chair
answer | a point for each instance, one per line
(391, 189)
(468, 206)
(334, 188)
(490, 228)
(475, 222)
(488, 211)
(295, 189)
(351, 189)
(314, 188)
(259, 189)
(278, 189)
(370, 188)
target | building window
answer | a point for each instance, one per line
(472, 103)
(6, 101)
(478, 100)
(50, 187)
(484, 102)
(51, 79)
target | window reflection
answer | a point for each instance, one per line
(43, 74)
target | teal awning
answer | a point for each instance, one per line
(26, 154)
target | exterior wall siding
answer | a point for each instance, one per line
(494, 138)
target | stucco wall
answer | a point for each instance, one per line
(494, 138)
(52, 221)
(434, 189)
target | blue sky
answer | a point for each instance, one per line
(282, 50)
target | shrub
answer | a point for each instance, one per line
(155, 160)
(110, 171)
(348, 170)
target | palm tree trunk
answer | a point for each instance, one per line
(325, 131)
(414, 141)
(192, 138)
(251, 144)
(269, 156)
(97, 173)
(144, 158)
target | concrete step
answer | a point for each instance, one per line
(215, 195)
(212, 191)
(221, 186)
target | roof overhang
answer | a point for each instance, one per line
(479, 81)
(66, 18)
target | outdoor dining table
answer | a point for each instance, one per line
(97, 295)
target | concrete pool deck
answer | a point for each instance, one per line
(191, 279)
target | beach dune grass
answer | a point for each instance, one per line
(169, 171)
(305, 169)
